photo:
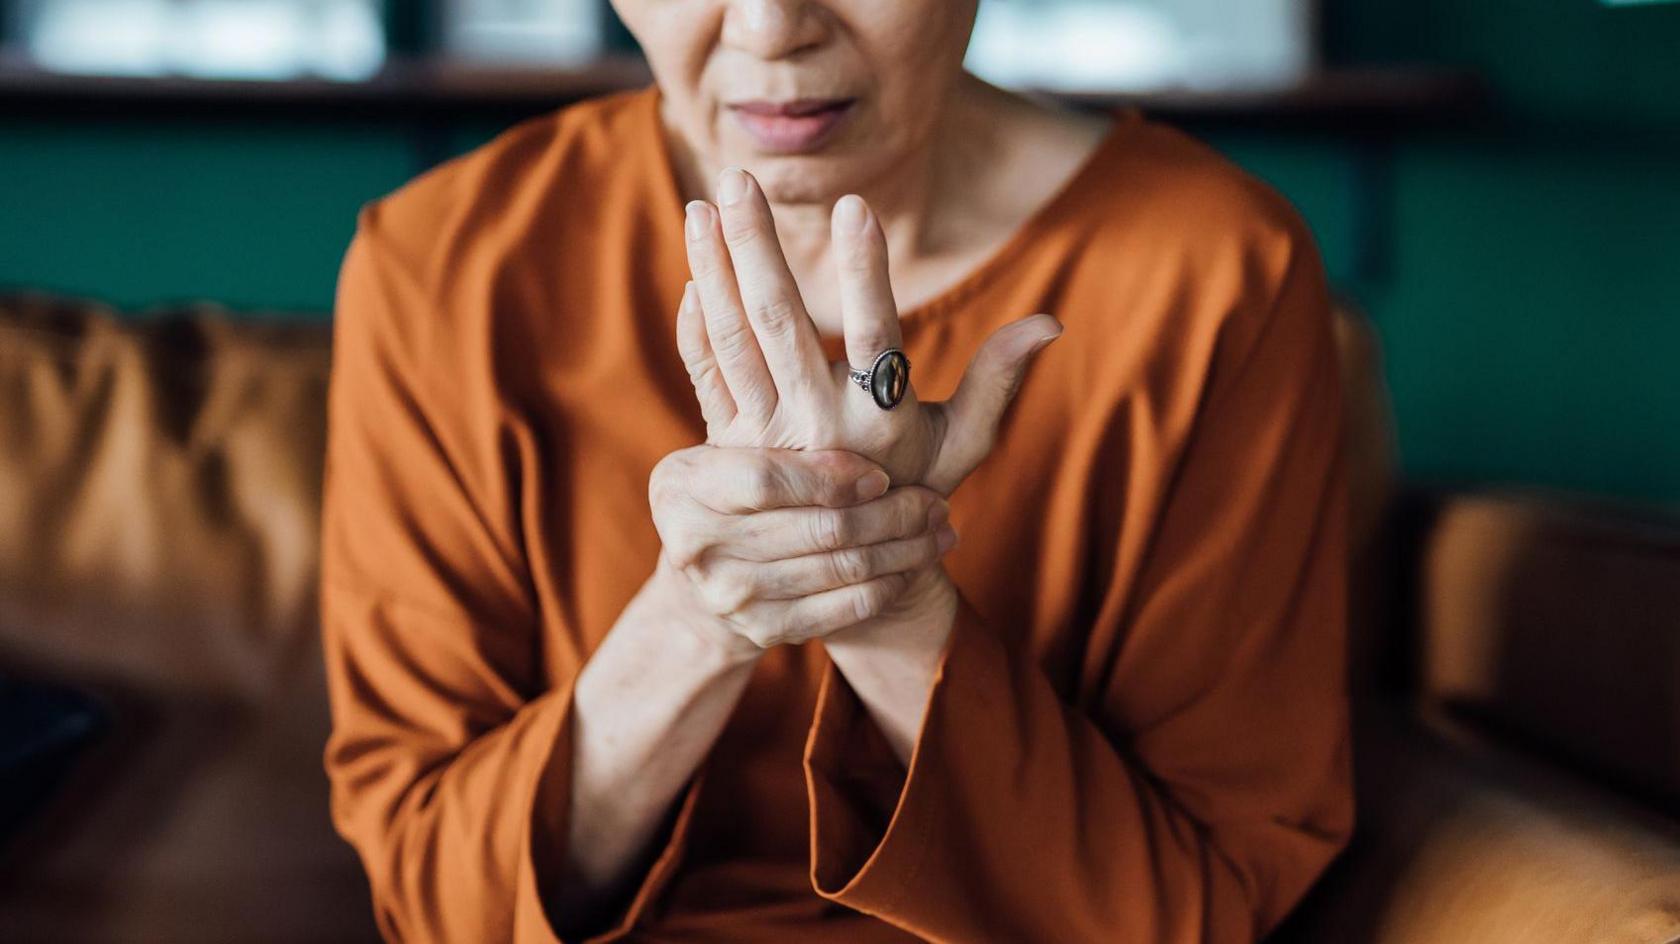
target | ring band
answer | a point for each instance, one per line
(887, 378)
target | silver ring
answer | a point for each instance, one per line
(887, 378)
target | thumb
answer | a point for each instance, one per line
(988, 387)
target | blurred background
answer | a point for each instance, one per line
(1517, 254)
(1495, 187)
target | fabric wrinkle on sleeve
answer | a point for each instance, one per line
(450, 753)
(1209, 781)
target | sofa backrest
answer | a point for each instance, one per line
(1547, 620)
(159, 493)
(159, 500)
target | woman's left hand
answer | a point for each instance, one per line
(756, 361)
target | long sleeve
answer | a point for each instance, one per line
(1195, 791)
(449, 755)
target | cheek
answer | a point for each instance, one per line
(677, 40)
(674, 36)
(911, 29)
(915, 48)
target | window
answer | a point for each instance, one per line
(244, 39)
(525, 31)
(1138, 45)
(1083, 45)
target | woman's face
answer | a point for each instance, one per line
(816, 98)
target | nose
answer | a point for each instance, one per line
(772, 29)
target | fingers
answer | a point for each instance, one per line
(986, 389)
(784, 533)
(742, 481)
(814, 573)
(767, 288)
(768, 623)
(819, 614)
(716, 405)
(731, 336)
(792, 596)
(869, 316)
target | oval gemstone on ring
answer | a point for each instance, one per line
(889, 378)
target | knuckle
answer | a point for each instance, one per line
(672, 487)
(869, 601)
(761, 484)
(888, 589)
(662, 477)
(683, 549)
(730, 338)
(807, 478)
(829, 530)
(849, 566)
(911, 514)
(701, 370)
(768, 630)
(759, 635)
(848, 529)
(725, 592)
(1010, 383)
(834, 468)
(776, 317)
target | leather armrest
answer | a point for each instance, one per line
(1554, 618)
(1462, 840)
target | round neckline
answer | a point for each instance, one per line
(997, 260)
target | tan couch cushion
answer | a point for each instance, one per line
(159, 487)
(1460, 840)
(1559, 624)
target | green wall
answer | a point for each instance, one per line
(1523, 273)
(255, 215)
(1529, 295)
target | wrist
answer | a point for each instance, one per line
(921, 618)
(671, 596)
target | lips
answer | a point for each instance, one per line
(790, 109)
(794, 126)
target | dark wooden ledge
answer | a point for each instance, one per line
(1339, 98)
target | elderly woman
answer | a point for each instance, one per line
(645, 609)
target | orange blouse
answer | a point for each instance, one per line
(1139, 731)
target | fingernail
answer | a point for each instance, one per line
(938, 515)
(732, 186)
(1043, 342)
(850, 213)
(697, 219)
(872, 485)
(946, 539)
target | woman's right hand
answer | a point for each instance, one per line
(774, 546)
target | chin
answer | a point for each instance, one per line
(820, 177)
(802, 179)
(843, 164)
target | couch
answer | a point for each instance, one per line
(1516, 662)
